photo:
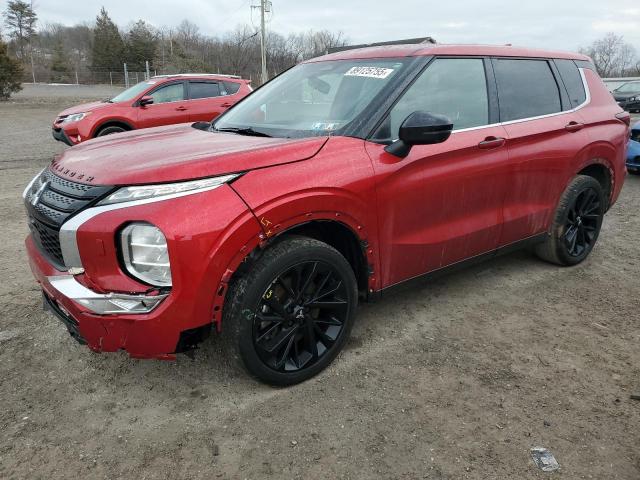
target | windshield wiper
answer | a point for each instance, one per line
(243, 131)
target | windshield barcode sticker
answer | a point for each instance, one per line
(371, 72)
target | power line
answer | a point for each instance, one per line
(228, 17)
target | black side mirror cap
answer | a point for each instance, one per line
(146, 100)
(205, 126)
(420, 128)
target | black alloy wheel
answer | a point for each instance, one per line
(583, 223)
(576, 224)
(290, 313)
(300, 316)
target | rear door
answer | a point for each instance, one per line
(442, 203)
(169, 106)
(207, 100)
(545, 133)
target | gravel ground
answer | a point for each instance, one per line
(456, 379)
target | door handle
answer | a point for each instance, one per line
(226, 104)
(181, 109)
(491, 142)
(574, 127)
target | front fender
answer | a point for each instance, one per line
(336, 185)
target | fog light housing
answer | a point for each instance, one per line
(145, 254)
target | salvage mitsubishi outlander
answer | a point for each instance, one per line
(338, 180)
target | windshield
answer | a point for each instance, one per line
(312, 99)
(133, 92)
(629, 88)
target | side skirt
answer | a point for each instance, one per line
(461, 265)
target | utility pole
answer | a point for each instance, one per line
(263, 41)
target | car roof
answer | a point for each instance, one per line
(417, 50)
(199, 76)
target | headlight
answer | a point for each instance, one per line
(129, 194)
(633, 99)
(75, 117)
(145, 254)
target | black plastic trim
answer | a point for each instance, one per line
(519, 245)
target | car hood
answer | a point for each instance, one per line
(174, 153)
(85, 107)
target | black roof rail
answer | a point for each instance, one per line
(429, 40)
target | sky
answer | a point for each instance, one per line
(559, 24)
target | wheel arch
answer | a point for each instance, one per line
(341, 237)
(111, 123)
(603, 174)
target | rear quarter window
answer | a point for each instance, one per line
(231, 87)
(526, 89)
(572, 81)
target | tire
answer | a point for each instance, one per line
(281, 341)
(110, 130)
(576, 225)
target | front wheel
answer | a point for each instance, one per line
(577, 222)
(110, 130)
(291, 314)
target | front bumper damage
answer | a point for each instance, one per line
(105, 322)
(60, 135)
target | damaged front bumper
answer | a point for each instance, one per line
(104, 303)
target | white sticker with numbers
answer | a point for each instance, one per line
(371, 72)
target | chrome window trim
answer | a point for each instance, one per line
(69, 229)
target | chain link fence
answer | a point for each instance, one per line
(86, 77)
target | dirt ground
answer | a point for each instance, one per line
(456, 379)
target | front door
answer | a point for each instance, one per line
(169, 106)
(442, 203)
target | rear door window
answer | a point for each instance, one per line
(203, 90)
(573, 81)
(526, 89)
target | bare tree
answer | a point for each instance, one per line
(611, 55)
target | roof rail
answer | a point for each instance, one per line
(408, 41)
(197, 75)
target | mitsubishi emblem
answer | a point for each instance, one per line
(36, 196)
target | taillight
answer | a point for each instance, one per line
(624, 117)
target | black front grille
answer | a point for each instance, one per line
(50, 202)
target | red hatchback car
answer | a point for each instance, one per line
(162, 100)
(345, 176)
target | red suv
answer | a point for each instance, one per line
(162, 100)
(333, 183)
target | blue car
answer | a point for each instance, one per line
(633, 153)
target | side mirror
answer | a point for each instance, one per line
(420, 128)
(146, 100)
(201, 125)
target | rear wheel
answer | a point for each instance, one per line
(110, 130)
(292, 313)
(576, 224)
